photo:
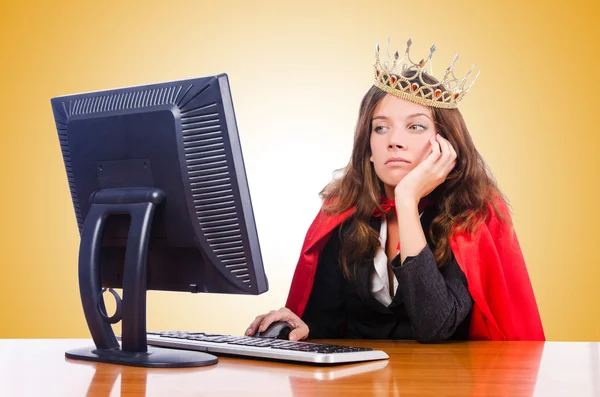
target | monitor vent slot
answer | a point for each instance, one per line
(125, 100)
(210, 177)
(62, 116)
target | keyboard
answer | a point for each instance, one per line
(255, 347)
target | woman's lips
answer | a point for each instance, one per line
(396, 162)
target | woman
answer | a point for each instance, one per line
(415, 240)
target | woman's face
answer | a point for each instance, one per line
(400, 132)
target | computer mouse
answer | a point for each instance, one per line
(277, 330)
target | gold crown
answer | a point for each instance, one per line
(408, 80)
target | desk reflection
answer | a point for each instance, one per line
(450, 369)
(228, 376)
(119, 380)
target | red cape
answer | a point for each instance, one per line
(504, 304)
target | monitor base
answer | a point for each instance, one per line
(155, 357)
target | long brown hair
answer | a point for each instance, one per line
(461, 199)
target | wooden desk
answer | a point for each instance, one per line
(37, 367)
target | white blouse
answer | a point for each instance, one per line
(380, 285)
(380, 282)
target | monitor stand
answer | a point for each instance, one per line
(140, 204)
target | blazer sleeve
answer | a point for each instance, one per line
(437, 301)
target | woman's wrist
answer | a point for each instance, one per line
(406, 201)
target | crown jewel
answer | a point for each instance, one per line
(411, 81)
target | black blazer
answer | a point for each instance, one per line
(430, 304)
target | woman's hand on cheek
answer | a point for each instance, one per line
(430, 173)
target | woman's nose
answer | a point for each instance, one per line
(397, 140)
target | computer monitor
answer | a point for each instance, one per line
(161, 199)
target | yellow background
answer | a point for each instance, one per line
(298, 71)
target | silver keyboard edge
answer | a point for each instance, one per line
(268, 353)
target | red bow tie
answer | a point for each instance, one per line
(387, 205)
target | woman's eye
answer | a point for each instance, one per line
(417, 127)
(379, 128)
